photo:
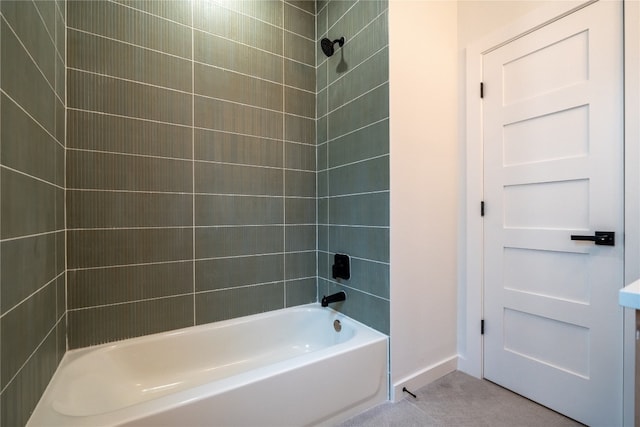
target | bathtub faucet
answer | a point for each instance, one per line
(339, 296)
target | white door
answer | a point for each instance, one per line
(553, 168)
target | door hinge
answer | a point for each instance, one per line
(482, 327)
(481, 90)
(482, 208)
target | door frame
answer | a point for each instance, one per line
(470, 297)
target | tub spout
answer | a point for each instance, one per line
(339, 296)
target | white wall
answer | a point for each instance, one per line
(424, 190)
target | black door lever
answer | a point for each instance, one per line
(606, 238)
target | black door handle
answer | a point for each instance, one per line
(606, 238)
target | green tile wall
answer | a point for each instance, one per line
(191, 163)
(352, 113)
(32, 187)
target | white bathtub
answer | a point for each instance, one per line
(282, 368)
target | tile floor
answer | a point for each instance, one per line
(458, 399)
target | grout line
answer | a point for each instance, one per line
(201, 292)
(284, 164)
(191, 93)
(19, 370)
(182, 159)
(187, 193)
(357, 161)
(160, 122)
(364, 259)
(53, 89)
(181, 261)
(328, 240)
(355, 99)
(193, 165)
(354, 130)
(31, 176)
(186, 59)
(44, 25)
(31, 117)
(41, 288)
(66, 139)
(352, 69)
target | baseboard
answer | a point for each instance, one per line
(422, 378)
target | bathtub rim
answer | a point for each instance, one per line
(366, 336)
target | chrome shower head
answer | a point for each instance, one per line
(327, 45)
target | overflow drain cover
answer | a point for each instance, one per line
(337, 325)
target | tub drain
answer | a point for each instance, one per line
(337, 325)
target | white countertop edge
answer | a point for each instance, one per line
(629, 296)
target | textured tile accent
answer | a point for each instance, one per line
(300, 210)
(361, 242)
(364, 209)
(24, 215)
(26, 146)
(216, 19)
(371, 39)
(237, 118)
(323, 210)
(234, 148)
(119, 22)
(368, 75)
(322, 134)
(24, 328)
(131, 177)
(337, 8)
(116, 322)
(370, 277)
(308, 5)
(299, 102)
(101, 286)
(300, 265)
(299, 292)
(300, 238)
(23, 393)
(175, 10)
(230, 303)
(299, 129)
(220, 52)
(95, 131)
(61, 296)
(21, 16)
(238, 210)
(237, 179)
(299, 21)
(368, 108)
(237, 241)
(299, 183)
(299, 48)
(99, 248)
(241, 271)
(365, 308)
(265, 10)
(299, 75)
(365, 176)
(23, 82)
(300, 156)
(126, 98)
(25, 266)
(370, 141)
(104, 171)
(113, 58)
(105, 209)
(223, 84)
